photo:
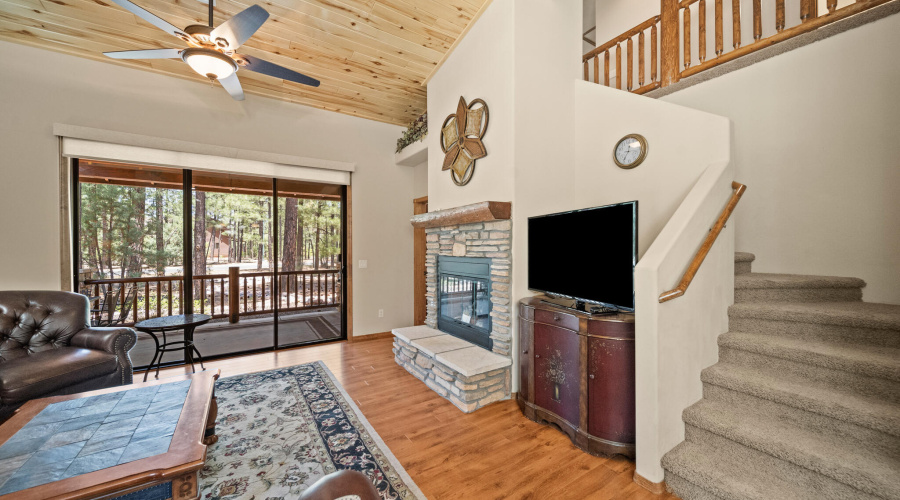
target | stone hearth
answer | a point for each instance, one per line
(467, 375)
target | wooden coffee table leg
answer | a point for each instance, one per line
(209, 437)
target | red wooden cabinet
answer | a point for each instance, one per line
(576, 370)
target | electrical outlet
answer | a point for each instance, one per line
(363, 264)
(381, 313)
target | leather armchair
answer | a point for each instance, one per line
(47, 348)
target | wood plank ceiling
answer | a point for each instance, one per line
(373, 57)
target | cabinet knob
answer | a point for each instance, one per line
(537, 355)
(525, 351)
(556, 317)
(591, 376)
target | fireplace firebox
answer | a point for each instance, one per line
(464, 299)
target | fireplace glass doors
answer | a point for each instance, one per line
(464, 299)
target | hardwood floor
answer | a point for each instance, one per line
(490, 454)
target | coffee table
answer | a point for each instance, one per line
(143, 441)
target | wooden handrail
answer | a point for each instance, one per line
(677, 35)
(706, 246)
(621, 38)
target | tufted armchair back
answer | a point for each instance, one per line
(34, 321)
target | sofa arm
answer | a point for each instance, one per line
(116, 341)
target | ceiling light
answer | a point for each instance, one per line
(209, 63)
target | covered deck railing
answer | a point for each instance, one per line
(126, 301)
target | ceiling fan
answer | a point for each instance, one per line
(212, 50)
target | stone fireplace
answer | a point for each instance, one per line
(463, 350)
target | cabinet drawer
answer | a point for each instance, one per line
(555, 318)
(612, 329)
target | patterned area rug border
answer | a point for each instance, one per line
(401, 471)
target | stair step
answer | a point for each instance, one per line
(767, 287)
(743, 262)
(843, 405)
(870, 370)
(849, 322)
(828, 454)
(733, 472)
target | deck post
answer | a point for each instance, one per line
(234, 294)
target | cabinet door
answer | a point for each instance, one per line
(611, 389)
(557, 381)
(525, 359)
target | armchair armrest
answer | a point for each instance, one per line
(116, 341)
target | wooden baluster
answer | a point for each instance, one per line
(255, 290)
(180, 297)
(169, 297)
(720, 45)
(832, 5)
(669, 43)
(596, 69)
(687, 37)
(587, 77)
(606, 68)
(779, 15)
(158, 299)
(202, 296)
(809, 10)
(222, 302)
(701, 30)
(318, 289)
(630, 64)
(134, 306)
(641, 59)
(234, 295)
(245, 294)
(736, 22)
(146, 299)
(653, 58)
(757, 20)
(619, 66)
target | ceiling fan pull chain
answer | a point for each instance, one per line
(211, 13)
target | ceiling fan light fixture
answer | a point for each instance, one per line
(209, 63)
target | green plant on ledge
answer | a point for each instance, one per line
(416, 131)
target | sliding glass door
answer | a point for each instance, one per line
(262, 256)
(310, 275)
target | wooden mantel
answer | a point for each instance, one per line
(484, 211)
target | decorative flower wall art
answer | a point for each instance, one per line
(461, 136)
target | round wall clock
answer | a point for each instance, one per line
(630, 151)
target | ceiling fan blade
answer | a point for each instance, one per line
(232, 85)
(145, 54)
(271, 69)
(149, 17)
(234, 32)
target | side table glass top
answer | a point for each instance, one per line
(178, 321)
(84, 435)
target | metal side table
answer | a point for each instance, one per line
(161, 325)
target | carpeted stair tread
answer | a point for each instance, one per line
(847, 406)
(770, 280)
(870, 361)
(744, 257)
(851, 314)
(734, 477)
(827, 454)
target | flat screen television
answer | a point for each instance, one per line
(585, 255)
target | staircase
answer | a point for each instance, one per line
(804, 402)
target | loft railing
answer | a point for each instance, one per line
(126, 301)
(703, 251)
(678, 51)
(616, 43)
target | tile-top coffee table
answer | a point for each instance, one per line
(144, 441)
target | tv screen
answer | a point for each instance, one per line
(587, 255)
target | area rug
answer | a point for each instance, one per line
(281, 430)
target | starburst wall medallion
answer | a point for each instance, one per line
(461, 139)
